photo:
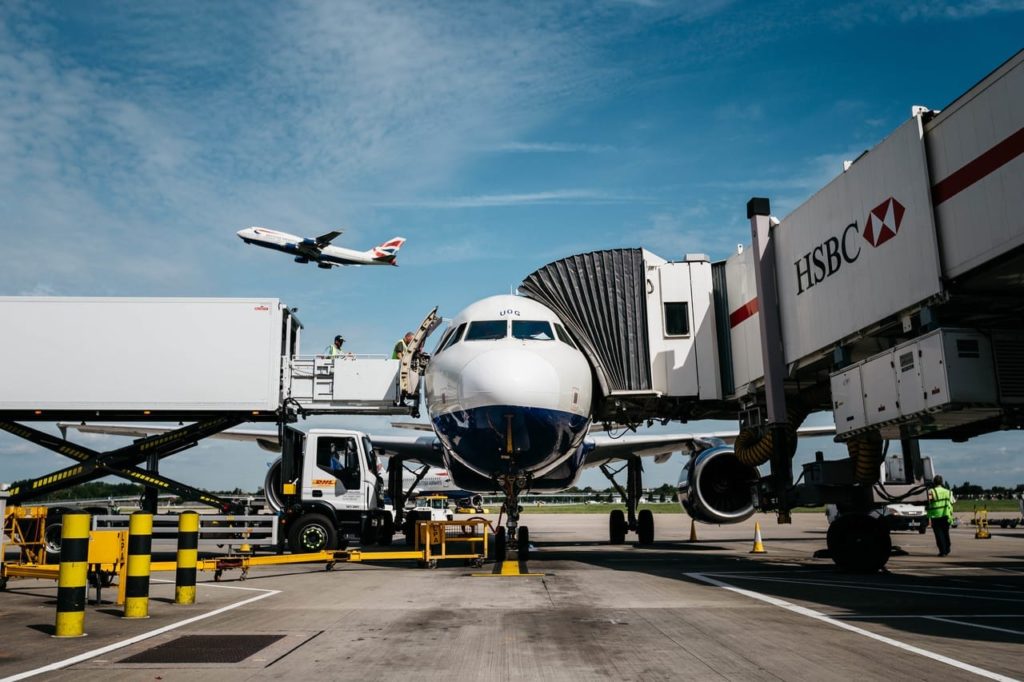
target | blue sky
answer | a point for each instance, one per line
(138, 137)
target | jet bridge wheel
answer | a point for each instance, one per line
(645, 527)
(312, 533)
(617, 527)
(859, 543)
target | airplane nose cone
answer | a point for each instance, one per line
(510, 376)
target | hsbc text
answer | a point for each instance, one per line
(825, 259)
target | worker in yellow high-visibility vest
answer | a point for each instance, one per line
(940, 511)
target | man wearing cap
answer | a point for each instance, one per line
(940, 511)
(334, 350)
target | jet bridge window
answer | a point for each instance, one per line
(487, 330)
(677, 319)
(532, 330)
(339, 456)
(563, 336)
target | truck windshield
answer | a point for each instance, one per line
(532, 330)
(372, 463)
(487, 330)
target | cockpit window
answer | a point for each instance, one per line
(532, 330)
(451, 338)
(563, 335)
(487, 330)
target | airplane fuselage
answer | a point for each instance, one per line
(305, 249)
(509, 395)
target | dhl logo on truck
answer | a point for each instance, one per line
(323, 483)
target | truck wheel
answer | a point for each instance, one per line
(387, 531)
(312, 533)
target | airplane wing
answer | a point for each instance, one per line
(325, 239)
(606, 448)
(425, 449)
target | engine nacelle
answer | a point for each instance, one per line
(715, 487)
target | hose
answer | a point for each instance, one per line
(867, 455)
(754, 449)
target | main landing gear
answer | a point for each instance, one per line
(619, 522)
(512, 541)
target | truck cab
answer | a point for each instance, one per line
(328, 490)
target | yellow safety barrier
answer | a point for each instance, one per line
(136, 580)
(981, 522)
(74, 569)
(188, 553)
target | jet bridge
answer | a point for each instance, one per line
(646, 325)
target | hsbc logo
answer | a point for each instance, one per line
(826, 259)
(884, 222)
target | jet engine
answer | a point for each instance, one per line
(715, 487)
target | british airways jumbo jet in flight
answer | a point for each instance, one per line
(319, 249)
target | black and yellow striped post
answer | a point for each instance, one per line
(140, 550)
(188, 553)
(74, 571)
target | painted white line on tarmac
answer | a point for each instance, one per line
(874, 588)
(975, 625)
(883, 616)
(138, 638)
(811, 613)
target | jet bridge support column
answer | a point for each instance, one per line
(772, 352)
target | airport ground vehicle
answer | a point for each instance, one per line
(207, 365)
(1017, 521)
(896, 516)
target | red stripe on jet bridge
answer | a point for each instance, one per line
(989, 162)
(743, 312)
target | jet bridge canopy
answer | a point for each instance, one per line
(646, 326)
(600, 297)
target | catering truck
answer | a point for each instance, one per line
(206, 365)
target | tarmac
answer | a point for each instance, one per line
(676, 610)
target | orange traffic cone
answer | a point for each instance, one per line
(693, 531)
(758, 545)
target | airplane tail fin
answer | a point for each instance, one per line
(388, 251)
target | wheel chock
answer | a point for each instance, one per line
(693, 530)
(758, 544)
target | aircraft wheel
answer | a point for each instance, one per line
(524, 543)
(645, 527)
(617, 526)
(499, 544)
(859, 543)
(312, 533)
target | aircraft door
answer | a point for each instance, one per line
(414, 360)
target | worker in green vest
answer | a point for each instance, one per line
(940, 512)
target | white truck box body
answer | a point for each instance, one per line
(157, 354)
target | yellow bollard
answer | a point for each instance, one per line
(693, 531)
(74, 570)
(140, 549)
(758, 545)
(188, 553)
(981, 521)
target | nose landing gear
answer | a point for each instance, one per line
(512, 541)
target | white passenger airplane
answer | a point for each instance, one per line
(319, 250)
